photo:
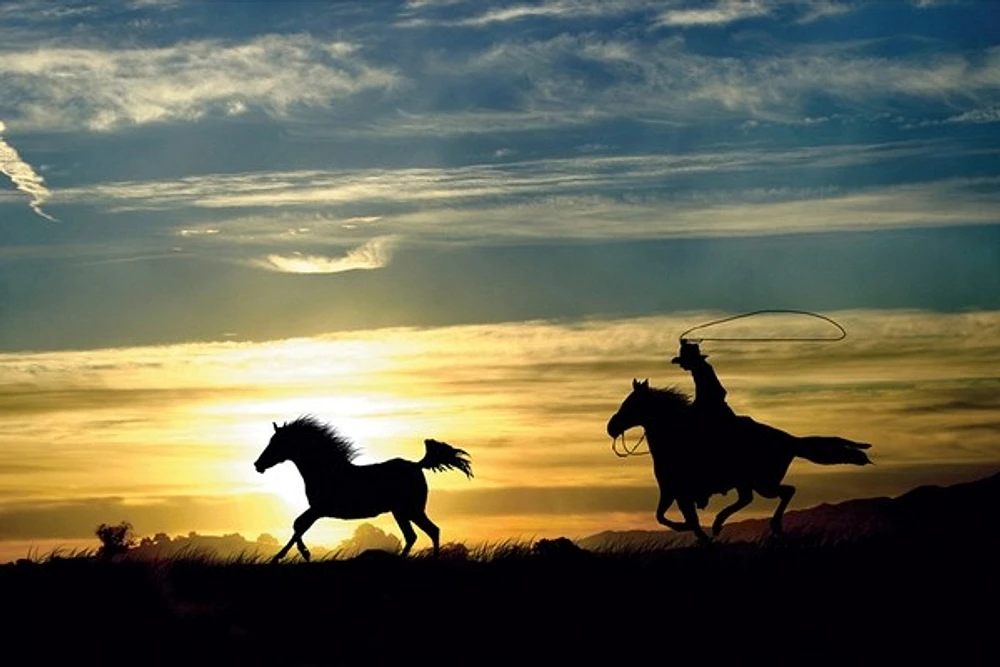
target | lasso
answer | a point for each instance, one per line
(841, 336)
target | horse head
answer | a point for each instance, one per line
(634, 410)
(650, 408)
(277, 450)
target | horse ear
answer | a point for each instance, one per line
(275, 425)
(635, 384)
(644, 384)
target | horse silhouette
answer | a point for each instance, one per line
(337, 487)
(694, 457)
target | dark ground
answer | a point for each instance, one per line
(893, 602)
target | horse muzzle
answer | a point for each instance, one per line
(615, 428)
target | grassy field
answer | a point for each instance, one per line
(517, 604)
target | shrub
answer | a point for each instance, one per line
(115, 540)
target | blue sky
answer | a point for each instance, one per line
(169, 167)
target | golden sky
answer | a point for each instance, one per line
(165, 437)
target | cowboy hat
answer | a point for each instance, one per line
(689, 352)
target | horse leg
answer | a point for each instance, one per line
(691, 518)
(426, 525)
(409, 535)
(661, 513)
(785, 493)
(744, 498)
(301, 524)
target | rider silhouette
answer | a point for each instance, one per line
(709, 394)
(710, 407)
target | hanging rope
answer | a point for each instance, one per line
(842, 335)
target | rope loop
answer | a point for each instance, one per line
(842, 335)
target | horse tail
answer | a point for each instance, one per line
(442, 456)
(831, 450)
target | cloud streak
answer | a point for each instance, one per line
(722, 13)
(104, 89)
(709, 193)
(374, 254)
(23, 176)
(568, 79)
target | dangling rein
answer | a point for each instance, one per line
(626, 452)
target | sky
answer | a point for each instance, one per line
(478, 222)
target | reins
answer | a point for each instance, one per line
(626, 452)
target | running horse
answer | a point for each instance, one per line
(337, 487)
(693, 460)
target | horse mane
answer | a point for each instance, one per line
(679, 398)
(311, 429)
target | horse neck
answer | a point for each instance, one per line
(667, 416)
(316, 465)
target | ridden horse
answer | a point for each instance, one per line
(337, 487)
(694, 457)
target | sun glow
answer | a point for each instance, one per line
(167, 437)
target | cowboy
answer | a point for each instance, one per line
(709, 394)
(715, 416)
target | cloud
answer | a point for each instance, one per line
(981, 116)
(374, 254)
(23, 176)
(722, 13)
(577, 79)
(820, 9)
(290, 220)
(571, 79)
(565, 10)
(578, 176)
(104, 89)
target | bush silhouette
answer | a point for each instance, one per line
(115, 540)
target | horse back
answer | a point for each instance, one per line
(366, 491)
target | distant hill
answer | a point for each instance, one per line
(923, 513)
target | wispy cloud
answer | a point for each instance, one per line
(374, 254)
(570, 79)
(974, 117)
(584, 175)
(722, 13)
(553, 9)
(586, 197)
(574, 79)
(23, 176)
(820, 9)
(106, 88)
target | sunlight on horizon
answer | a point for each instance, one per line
(167, 436)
